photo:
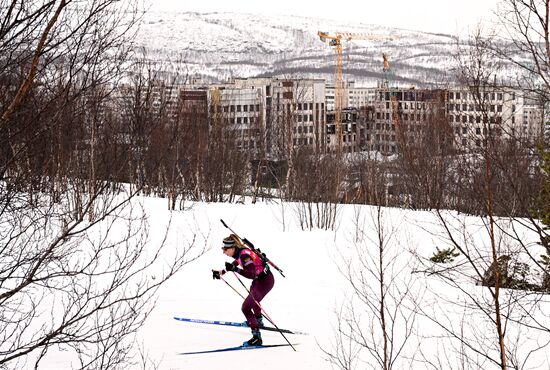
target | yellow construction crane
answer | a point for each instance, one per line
(335, 40)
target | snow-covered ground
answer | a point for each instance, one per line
(303, 301)
(314, 290)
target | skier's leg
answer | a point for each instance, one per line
(259, 290)
(247, 309)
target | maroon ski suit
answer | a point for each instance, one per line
(262, 283)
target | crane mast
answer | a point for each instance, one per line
(335, 41)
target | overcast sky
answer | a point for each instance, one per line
(448, 16)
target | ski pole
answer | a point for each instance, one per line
(261, 308)
(231, 286)
(264, 312)
(255, 301)
(257, 251)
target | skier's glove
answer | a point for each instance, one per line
(230, 267)
(217, 274)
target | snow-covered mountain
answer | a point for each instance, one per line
(218, 46)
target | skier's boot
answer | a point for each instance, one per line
(256, 339)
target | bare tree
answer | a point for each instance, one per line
(315, 182)
(76, 285)
(226, 166)
(496, 249)
(79, 267)
(423, 164)
(376, 322)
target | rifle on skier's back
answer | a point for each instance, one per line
(260, 254)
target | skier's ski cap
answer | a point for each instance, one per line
(229, 242)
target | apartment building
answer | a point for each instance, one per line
(353, 130)
(270, 114)
(239, 111)
(507, 113)
(402, 114)
(534, 120)
(359, 97)
(352, 97)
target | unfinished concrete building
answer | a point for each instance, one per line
(502, 113)
(272, 115)
(402, 115)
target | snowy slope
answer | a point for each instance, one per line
(314, 290)
(225, 45)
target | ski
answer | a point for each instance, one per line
(236, 324)
(238, 348)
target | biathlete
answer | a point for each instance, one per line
(249, 265)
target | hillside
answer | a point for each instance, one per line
(218, 46)
(317, 293)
